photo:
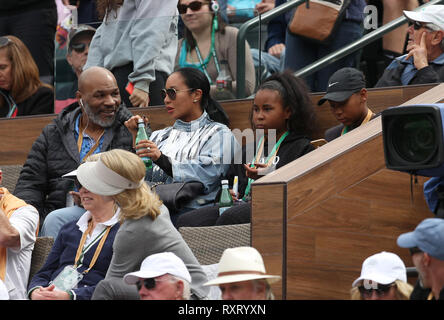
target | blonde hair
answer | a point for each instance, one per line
(134, 203)
(403, 291)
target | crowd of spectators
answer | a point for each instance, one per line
(89, 154)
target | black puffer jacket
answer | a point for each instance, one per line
(55, 153)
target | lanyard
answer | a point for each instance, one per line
(80, 141)
(269, 160)
(12, 105)
(367, 119)
(81, 252)
(203, 64)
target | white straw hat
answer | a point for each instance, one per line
(383, 268)
(241, 264)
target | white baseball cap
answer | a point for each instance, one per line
(384, 268)
(430, 14)
(157, 265)
(241, 264)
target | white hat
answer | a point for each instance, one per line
(383, 268)
(430, 14)
(99, 179)
(157, 265)
(241, 264)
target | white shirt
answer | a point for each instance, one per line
(82, 223)
(18, 260)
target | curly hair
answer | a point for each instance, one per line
(105, 7)
(295, 96)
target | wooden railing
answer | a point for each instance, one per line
(316, 219)
(17, 135)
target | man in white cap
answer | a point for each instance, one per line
(426, 245)
(242, 276)
(162, 276)
(383, 277)
(424, 62)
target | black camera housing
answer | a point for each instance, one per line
(413, 139)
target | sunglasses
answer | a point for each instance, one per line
(148, 283)
(194, 6)
(4, 41)
(414, 250)
(79, 47)
(381, 290)
(418, 25)
(171, 93)
(77, 184)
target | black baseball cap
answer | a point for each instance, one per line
(342, 84)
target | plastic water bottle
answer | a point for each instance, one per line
(225, 200)
(141, 135)
(224, 80)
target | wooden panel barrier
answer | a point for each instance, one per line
(333, 208)
(17, 135)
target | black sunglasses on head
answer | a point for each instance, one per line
(149, 283)
(381, 290)
(171, 93)
(4, 41)
(194, 6)
(79, 47)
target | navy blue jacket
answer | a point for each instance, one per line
(63, 254)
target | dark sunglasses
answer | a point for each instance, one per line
(171, 93)
(77, 184)
(381, 290)
(79, 47)
(194, 6)
(4, 41)
(418, 25)
(149, 283)
(414, 250)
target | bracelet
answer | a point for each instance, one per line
(71, 296)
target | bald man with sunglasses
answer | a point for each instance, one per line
(424, 61)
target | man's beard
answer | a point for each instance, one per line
(95, 117)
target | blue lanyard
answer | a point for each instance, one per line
(203, 64)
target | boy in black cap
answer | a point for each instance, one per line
(347, 96)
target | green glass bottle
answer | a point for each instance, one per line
(225, 200)
(141, 135)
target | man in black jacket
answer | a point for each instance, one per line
(93, 124)
(424, 62)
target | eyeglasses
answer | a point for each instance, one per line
(149, 283)
(172, 93)
(418, 25)
(381, 290)
(4, 41)
(194, 6)
(414, 250)
(79, 47)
